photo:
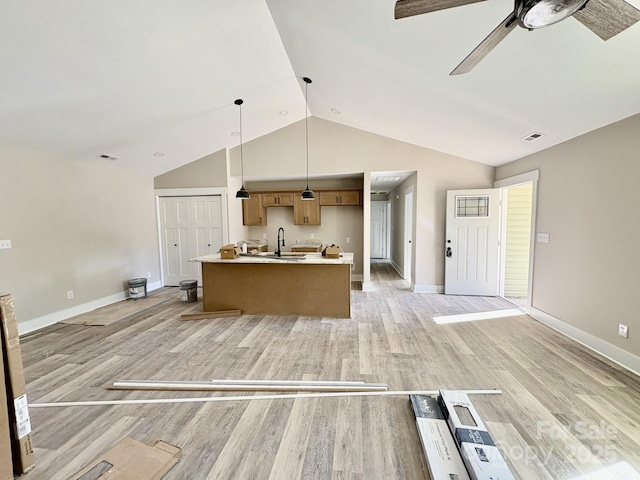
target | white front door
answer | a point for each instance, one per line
(472, 249)
(378, 230)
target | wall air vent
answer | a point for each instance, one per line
(108, 157)
(532, 137)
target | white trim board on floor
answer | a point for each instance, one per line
(53, 318)
(617, 355)
(471, 317)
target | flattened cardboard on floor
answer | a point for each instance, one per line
(6, 468)
(22, 448)
(132, 460)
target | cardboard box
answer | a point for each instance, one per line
(22, 448)
(332, 251)
(480, 455)
(440, 449)
(6, 467)
(131, 460)
(230, 251)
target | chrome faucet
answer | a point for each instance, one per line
(278, 251)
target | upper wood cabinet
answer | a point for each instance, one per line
(306, 212)
(254, 212)
(277, 199)
(340, 197)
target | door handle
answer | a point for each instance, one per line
(449, 252)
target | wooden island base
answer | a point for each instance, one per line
(278, 288)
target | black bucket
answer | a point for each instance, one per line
(137, 288)
(189, 291)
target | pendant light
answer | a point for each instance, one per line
(242, 193)
(307, 194)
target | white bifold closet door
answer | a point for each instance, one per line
(189, 227)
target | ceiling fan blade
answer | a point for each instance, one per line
(607, 18)
(409, 8)
(488, 44)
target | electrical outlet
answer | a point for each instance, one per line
(5, 244)
(148, 274)
(312, 235)
(264, 236)
(348, 239)
(542, 237)
(70, 295)
(623, 330)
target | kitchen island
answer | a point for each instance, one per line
(295, 284)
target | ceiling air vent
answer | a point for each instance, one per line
(532, 137)
(108, 157)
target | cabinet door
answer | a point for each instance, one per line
(253, 211)
(349, 197)
(306, 212)
(285, 199)
(277, 199)
(340, 197)
(329, 198)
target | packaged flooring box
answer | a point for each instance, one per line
(480, 455)
(440, 450)
(6, 467)
(22, 448)
(131, 460)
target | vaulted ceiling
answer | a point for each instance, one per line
(153, 83)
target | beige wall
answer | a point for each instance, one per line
(589, 273)
(335, 149)
(209, 171)
(82, 226)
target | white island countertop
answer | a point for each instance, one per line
(267, 257)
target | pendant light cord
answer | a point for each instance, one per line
(241, 157)
(306, 125)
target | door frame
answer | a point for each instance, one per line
(190, 192)
(409, 212)
(528, 177)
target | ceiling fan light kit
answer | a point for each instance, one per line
(542, 13)
(605, 18)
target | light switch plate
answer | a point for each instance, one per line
(623, 330)
(5, 244)
(543, 237)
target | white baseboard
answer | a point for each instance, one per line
(368, 287)
(428, 288)
(55, 317)
(616, 354)
(397, 268)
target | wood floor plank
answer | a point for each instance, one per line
(552, 387)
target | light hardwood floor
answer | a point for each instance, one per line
(565, 411)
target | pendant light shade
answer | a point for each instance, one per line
(307, 194)
(242, 193)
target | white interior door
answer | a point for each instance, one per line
(208, 227)
(190, 227)
(175, 219)
(378, 230)
(408, 235)
(472, 248)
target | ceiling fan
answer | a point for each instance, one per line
(605, 18)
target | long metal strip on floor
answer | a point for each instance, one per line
(250, 398)
(248, 386)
